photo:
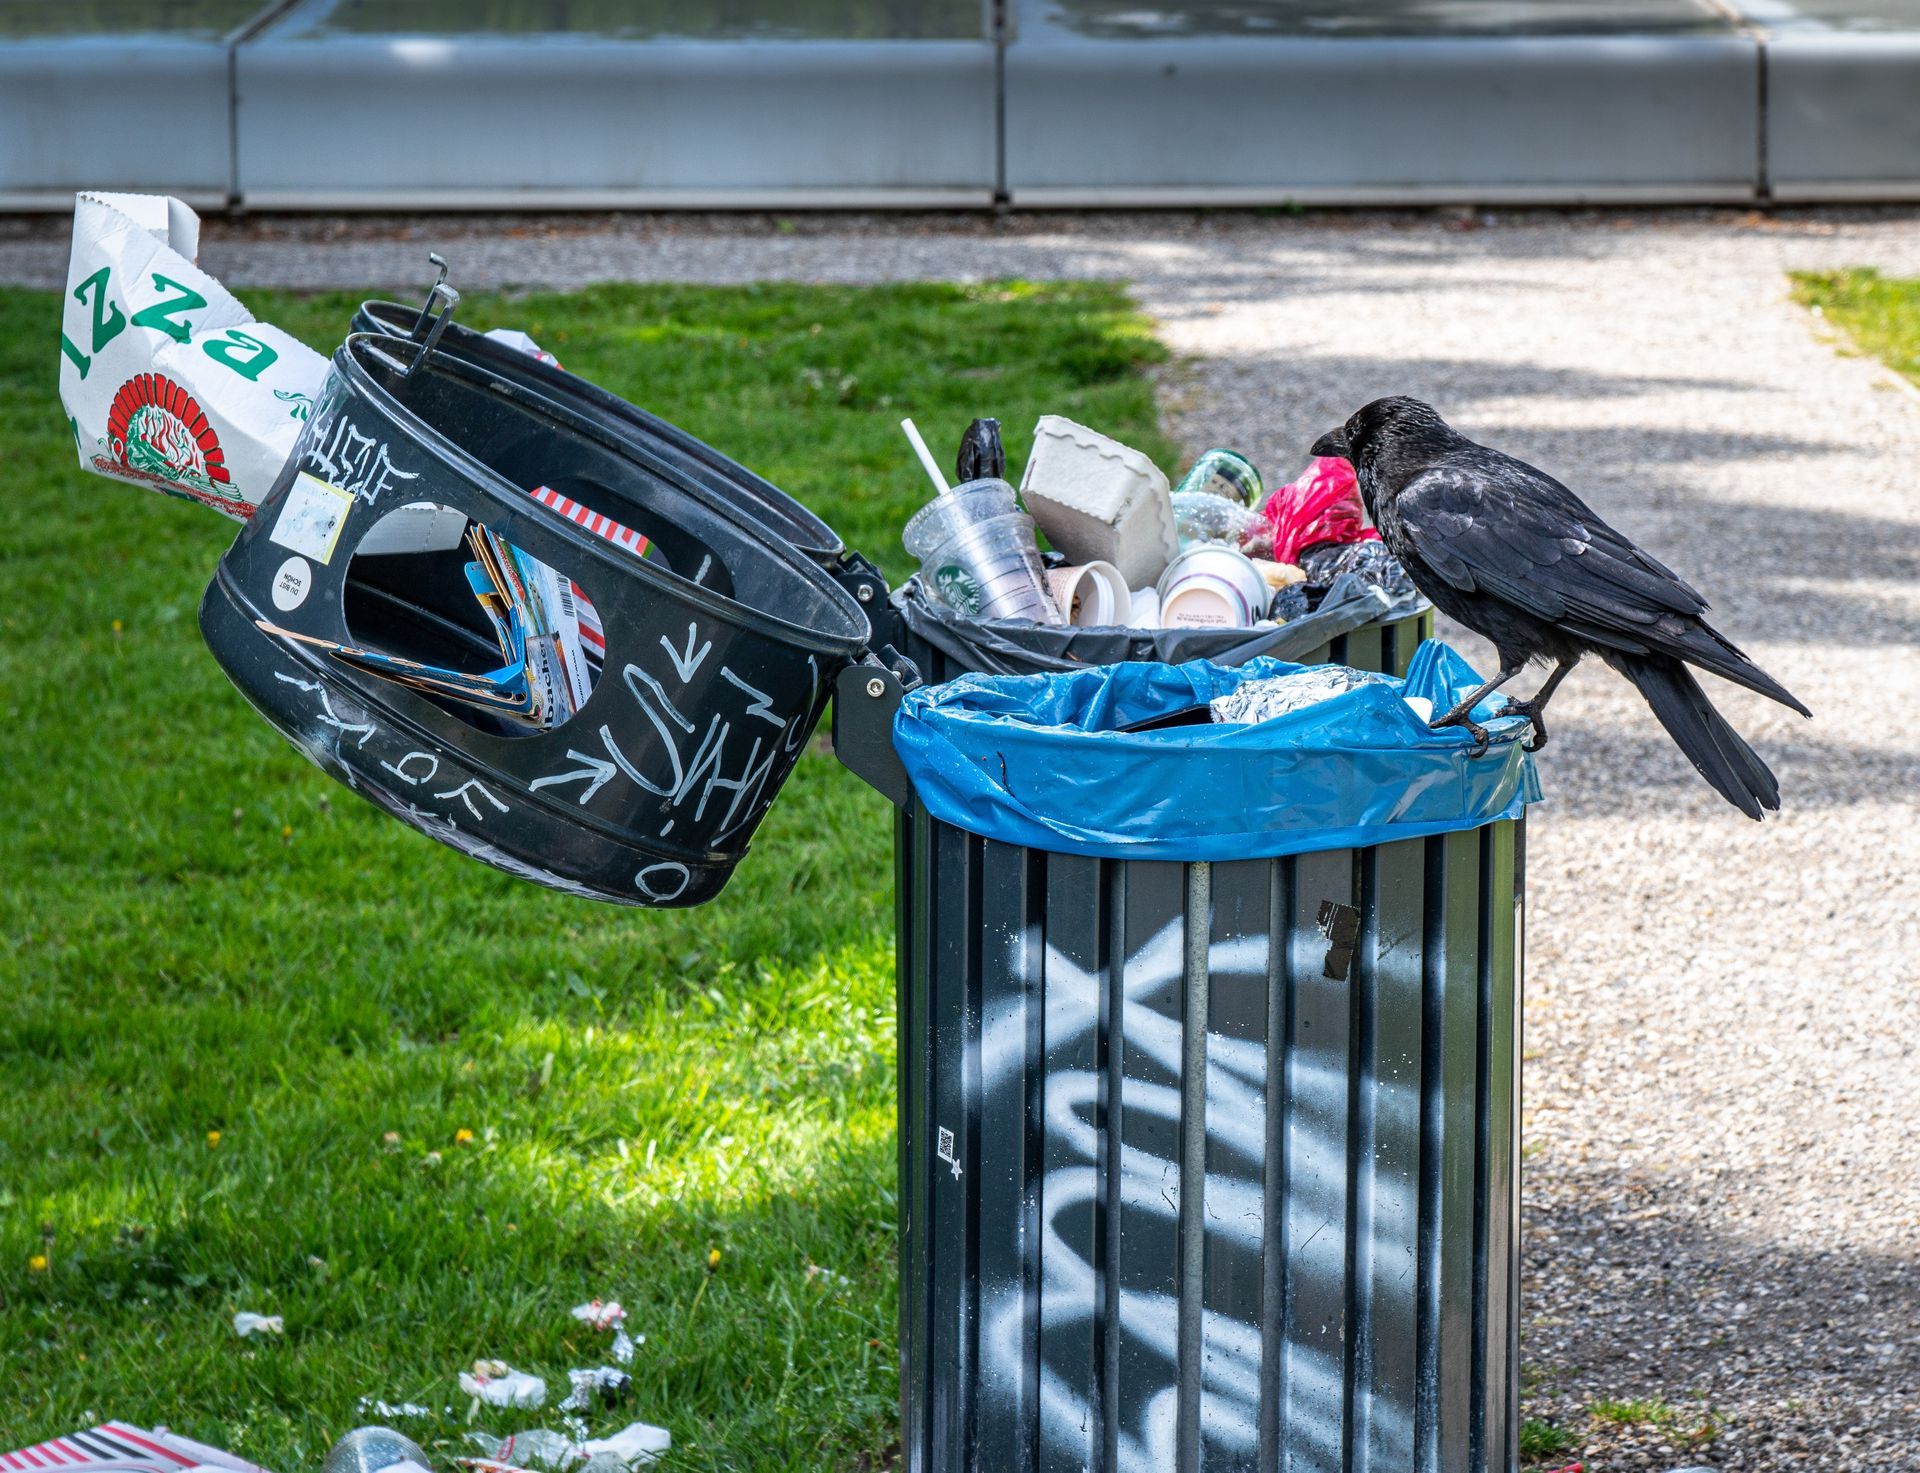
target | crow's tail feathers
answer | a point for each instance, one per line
(1716, 750)
(1710, 650)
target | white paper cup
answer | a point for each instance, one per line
(1090, 595)
(1210, 587)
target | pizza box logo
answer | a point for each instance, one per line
(158, 434)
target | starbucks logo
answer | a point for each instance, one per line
(957, 588)
(158, 433)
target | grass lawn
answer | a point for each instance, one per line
(1880, 313)
(245, 1020)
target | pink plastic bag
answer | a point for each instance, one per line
(1322, 504)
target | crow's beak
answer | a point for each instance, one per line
(1333, 443)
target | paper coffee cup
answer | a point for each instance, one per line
(1090, 595)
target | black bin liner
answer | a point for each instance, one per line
(721, 648)
(944, 642)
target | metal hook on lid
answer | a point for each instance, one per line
(429, 325)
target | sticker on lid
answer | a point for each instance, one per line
(311, 518)
(291, 583)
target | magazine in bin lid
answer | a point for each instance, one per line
(721, 644)
(751, 495)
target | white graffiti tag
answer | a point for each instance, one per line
(358, 463)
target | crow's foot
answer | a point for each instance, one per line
(1459, 717)
(1530, 710)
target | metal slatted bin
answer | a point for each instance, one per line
(1176, 1196)
(1187, 1185)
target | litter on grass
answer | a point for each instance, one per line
(498, 1384)
(375, 1450)
(387, 1411)
(600, 1314)
(541, 1447)
(603, 1386)
(123, 1448)
(246, 1323)
(608, 1315)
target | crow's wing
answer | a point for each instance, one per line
(1497, 526)
(1493, 525)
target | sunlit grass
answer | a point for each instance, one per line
(1881, 314)
(199, 932)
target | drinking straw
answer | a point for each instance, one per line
(926, 457)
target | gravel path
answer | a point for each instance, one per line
(1722, 1189)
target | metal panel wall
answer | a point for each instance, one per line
(145, 115)
(1190, 1185)
(485, 122)
(1843, 115)
(1260, 121)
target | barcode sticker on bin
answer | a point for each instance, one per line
(593, 521)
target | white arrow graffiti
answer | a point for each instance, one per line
(596, 772)
(688, 662)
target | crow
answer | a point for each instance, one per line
(1515, 556)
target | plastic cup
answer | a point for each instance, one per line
(978, 554)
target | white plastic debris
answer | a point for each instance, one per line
(606, 1314)
(600, 1314)
(602, 1386)
(637, 1442)
(538, 1447)
(1262, 700)
(246, 1323)
(541, 1447)
(498, 1384)
(1098, 500)
(513, 337)
(389, 1411)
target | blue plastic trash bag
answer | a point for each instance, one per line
(1040, 761)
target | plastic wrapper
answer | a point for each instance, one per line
(1052, 762)
(246, 1323)
(1321, 504)
(600, 1314)
(1370, 562)
(1201, 516)
(608, 1315)
(601, 1386)
(497, 1384)
(1262, 700)
(636, 1444)
(982, 456)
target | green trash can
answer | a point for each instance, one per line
(1205, 1165)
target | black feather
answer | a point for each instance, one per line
(1511, 553)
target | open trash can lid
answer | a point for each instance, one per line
(1049, 762)
(721, 643)
(749, 494)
